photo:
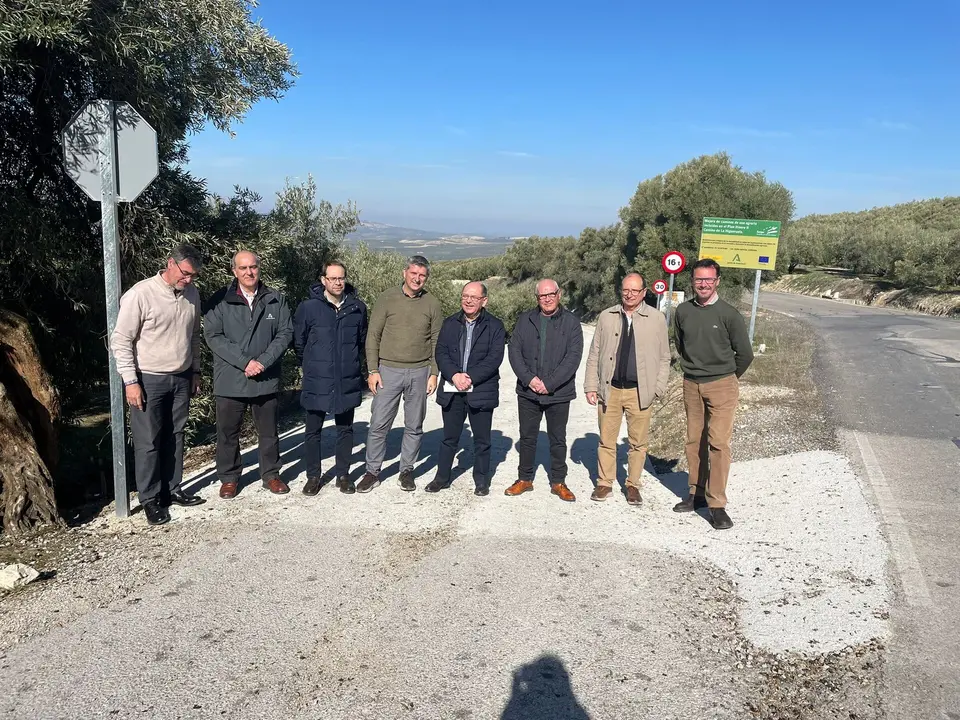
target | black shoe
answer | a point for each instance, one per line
(181, 498)
(435, 485)
(345, 485)
(406, 481)
(690, 504)
(482, 490)
(720, 519)
(156, 514)
(312, 486)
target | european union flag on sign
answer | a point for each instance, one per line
(764, 258)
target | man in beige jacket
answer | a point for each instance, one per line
(627, 368)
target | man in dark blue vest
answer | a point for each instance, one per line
(469, 352)
(330, 331)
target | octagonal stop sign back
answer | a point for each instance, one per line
(135, 144)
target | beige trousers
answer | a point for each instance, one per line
(620, 403)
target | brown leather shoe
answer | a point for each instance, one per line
(601, 493)
(633, 496)
(228, 490)
(562, 492)
(276, 486)
(519, 487)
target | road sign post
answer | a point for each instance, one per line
(111, 153)
(673, 262)
(745, 244)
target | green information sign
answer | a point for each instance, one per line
(734, 242)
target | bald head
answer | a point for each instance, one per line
(473, 298)
(246, 268)
(548, 296)
(632, 290)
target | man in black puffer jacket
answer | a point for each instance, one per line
(247, 326)
(330, 332)
(545, 351)
(469, 352)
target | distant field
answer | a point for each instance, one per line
(434, 245)
(439, 250)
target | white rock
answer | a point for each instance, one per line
(16, 575)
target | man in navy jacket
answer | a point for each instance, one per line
(329, 334)
(469, 352)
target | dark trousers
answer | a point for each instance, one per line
(158, 434)
(230, 412)
(454, 416)
(311, 442)
(531, 413)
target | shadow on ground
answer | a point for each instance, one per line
(542, 691)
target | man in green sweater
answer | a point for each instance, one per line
(715, 351)
(401, 347)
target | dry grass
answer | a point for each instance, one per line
(778, 394)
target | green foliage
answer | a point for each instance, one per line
(507, 302)
(909, 244)
(538, 257)
(183, 65)
(667, 211)
(474, 268)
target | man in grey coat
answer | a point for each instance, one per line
(248, 327)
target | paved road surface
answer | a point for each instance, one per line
(892, 382)
(410, 605)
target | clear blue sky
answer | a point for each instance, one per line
(542, 117)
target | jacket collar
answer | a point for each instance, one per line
(643, 309)
(265, 293)
(462, 317)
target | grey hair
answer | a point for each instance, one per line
(187, 252)
(233, 260)
(419, 261)
(483, 288)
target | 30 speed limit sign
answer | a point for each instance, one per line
(673, 262)
(659, 287)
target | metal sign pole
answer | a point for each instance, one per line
(111, 275)
(669, 300)
(753, 310)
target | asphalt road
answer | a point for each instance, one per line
(891, 381)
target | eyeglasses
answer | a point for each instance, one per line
(548, 296)
(342, 278)
(191, 275)
(705, 281)
(631, 291)
(472, 298)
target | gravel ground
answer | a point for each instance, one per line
(409, 605)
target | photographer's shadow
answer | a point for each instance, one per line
(541, 691)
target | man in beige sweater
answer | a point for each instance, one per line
(157, 348)
(401, 344)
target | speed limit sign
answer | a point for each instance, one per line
(674, 262)
(659, 287)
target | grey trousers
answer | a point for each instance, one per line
(158, 434)
(411, 385)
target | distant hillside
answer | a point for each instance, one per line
(934, 214)
(434, 245)
(911, 244)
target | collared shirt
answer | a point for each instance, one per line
(249, 297)
(470, 324)
(333, 302)
(629, 316)
(711, 301)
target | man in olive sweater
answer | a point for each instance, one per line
(401, 344)
(715, 351)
